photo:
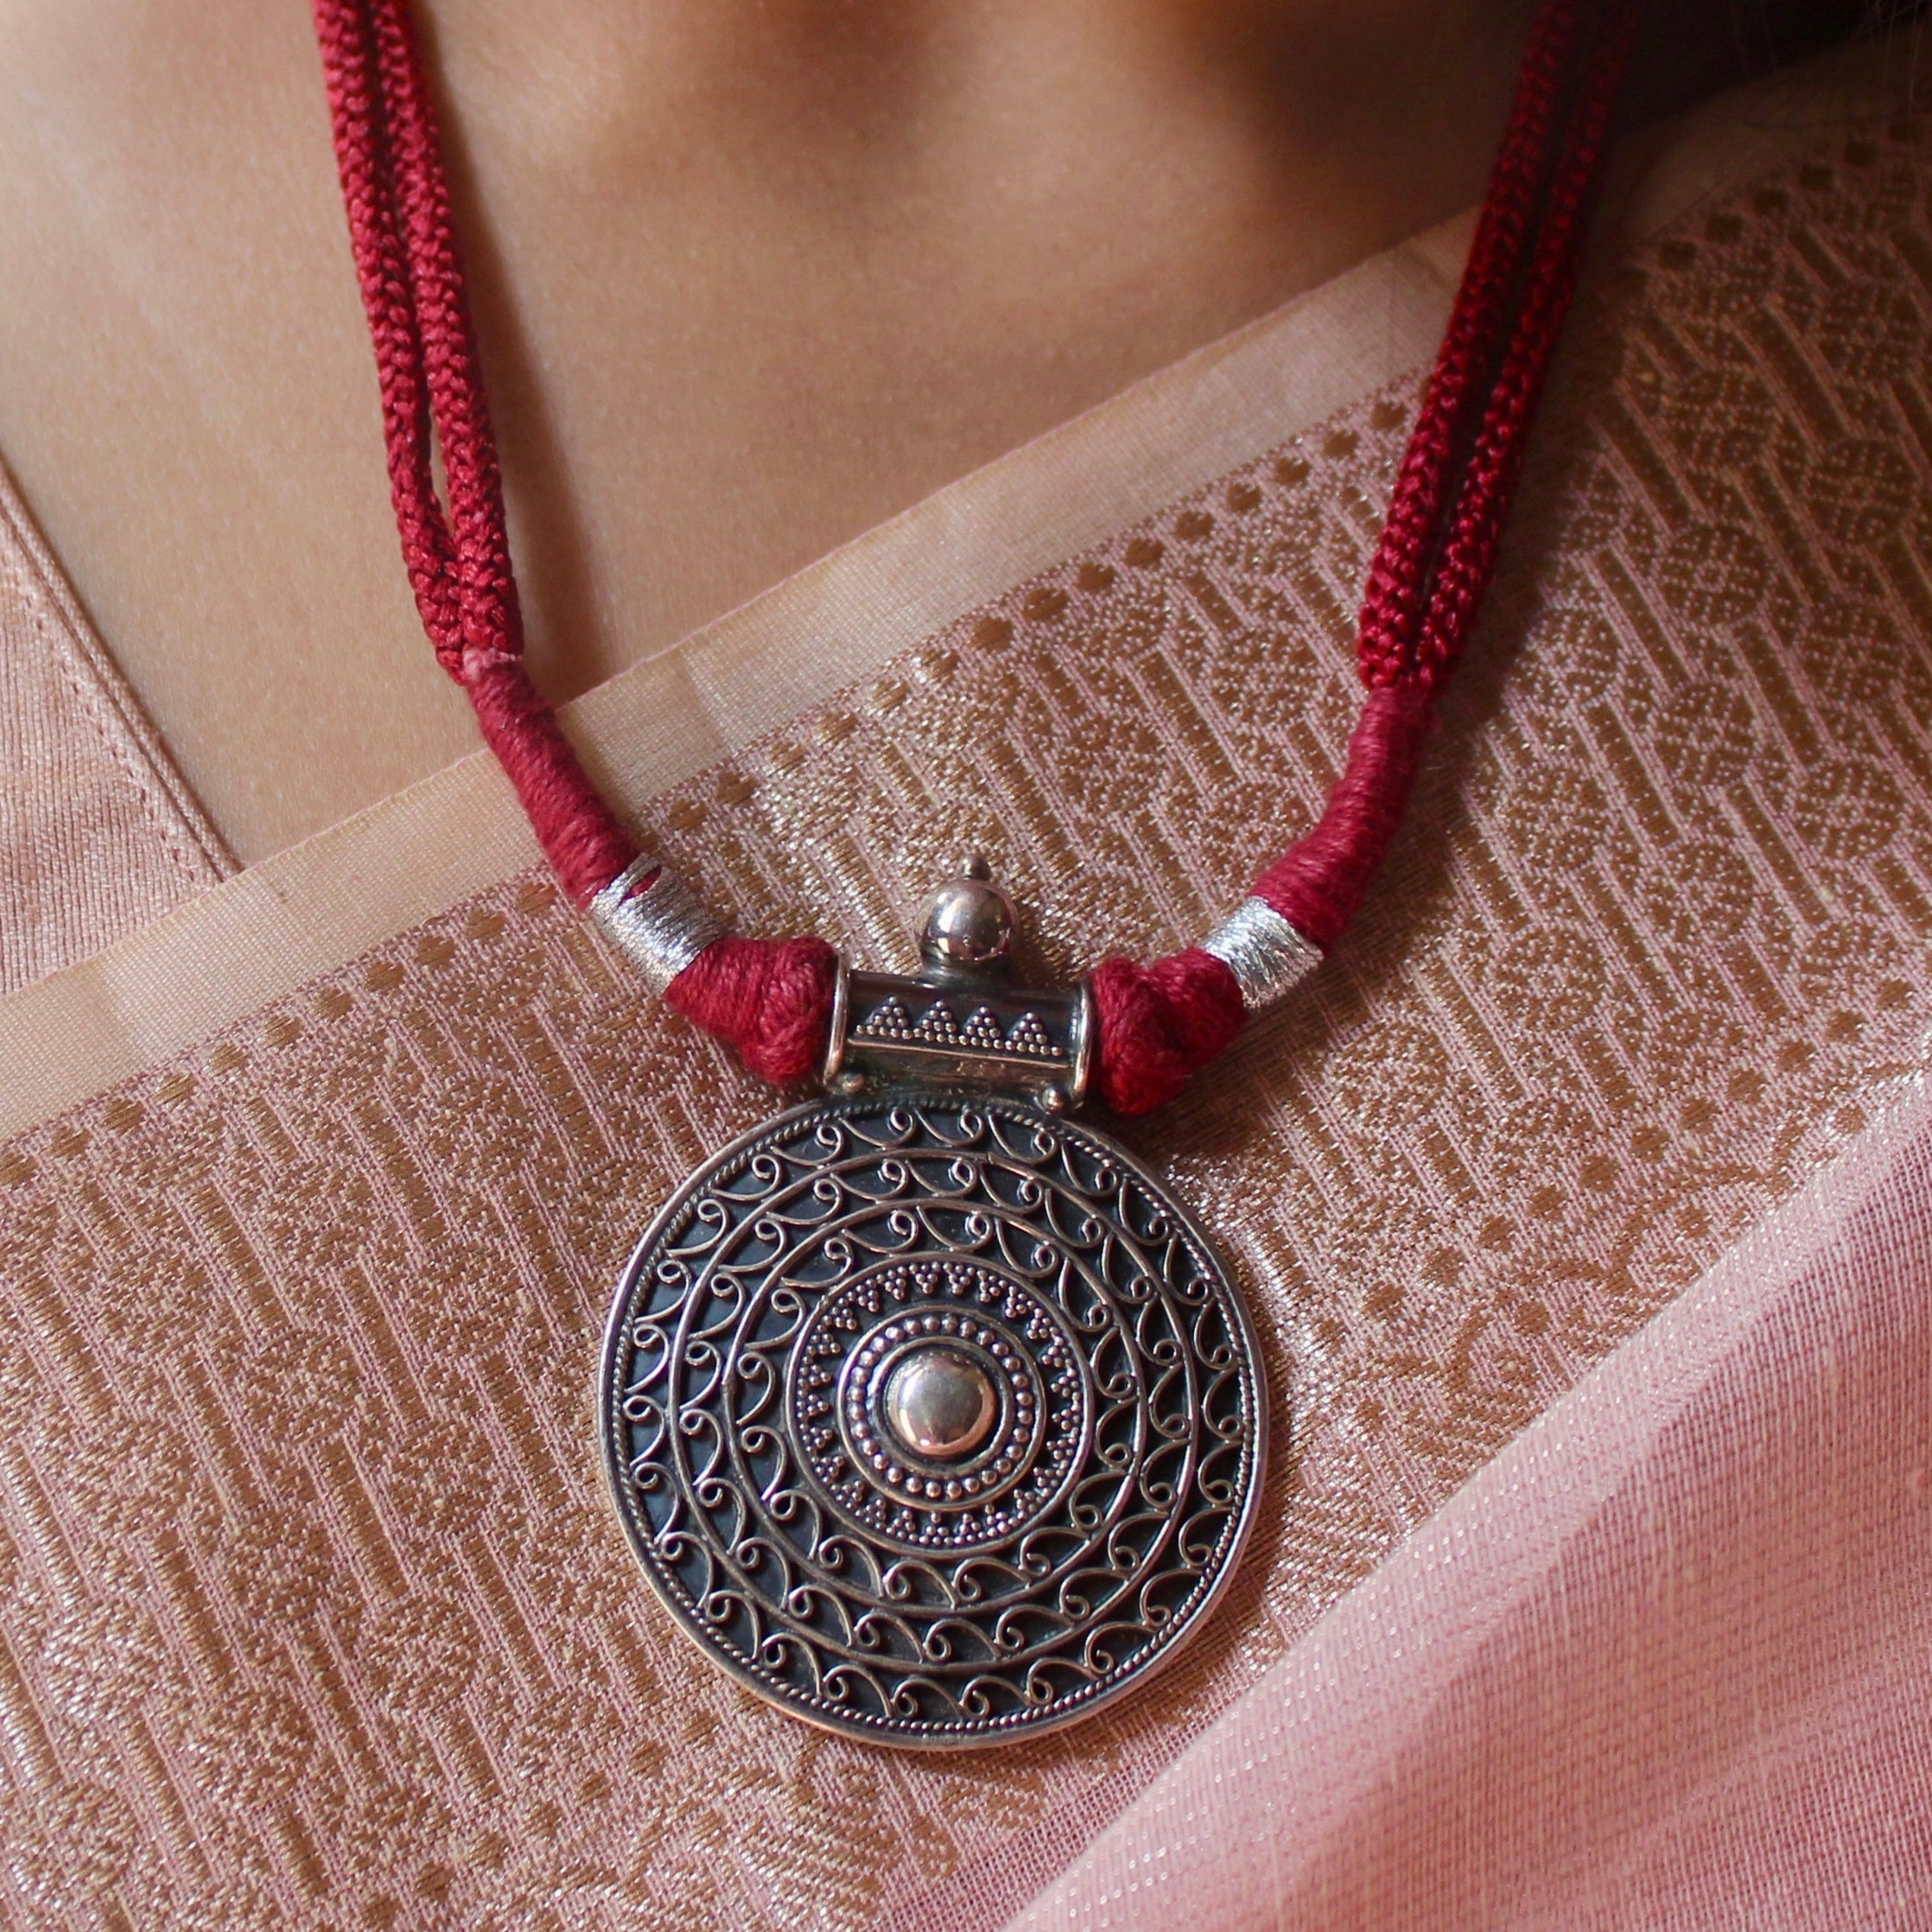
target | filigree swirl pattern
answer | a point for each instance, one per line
(932, 1419)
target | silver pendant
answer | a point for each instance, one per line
(930, 1414)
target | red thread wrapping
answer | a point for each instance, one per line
(772, 1000)
(1317, 884)
(585, 844)
(1159, 1025)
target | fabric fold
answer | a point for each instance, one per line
(98, 833)
(1665, 1661)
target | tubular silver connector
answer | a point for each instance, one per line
(960, 1021)
(1265, 955)
(660, 931)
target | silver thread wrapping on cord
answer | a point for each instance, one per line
(660, 929)
(1267, 957)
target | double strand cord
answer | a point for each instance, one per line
(772, 1000)
(1160, 1023)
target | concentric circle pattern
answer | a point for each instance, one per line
(933, 1597)
(859, 1334)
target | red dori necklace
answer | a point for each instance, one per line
(926, 1409)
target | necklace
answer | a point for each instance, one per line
(928, 1412)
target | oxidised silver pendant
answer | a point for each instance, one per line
(931, 1416)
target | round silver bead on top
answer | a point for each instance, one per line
(969, 925)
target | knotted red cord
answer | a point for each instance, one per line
(772, 1000)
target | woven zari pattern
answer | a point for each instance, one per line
(314, 1611)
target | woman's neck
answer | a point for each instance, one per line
(752, 275)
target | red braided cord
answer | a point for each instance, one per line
(1318, 883)
(1397, 580)
(770, 1000)
(1439, 549)
(427, 368)
(491, 617)
(1158, 1024)
(383, 274)
(1469, 553)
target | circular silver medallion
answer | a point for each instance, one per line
(932, 1418)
